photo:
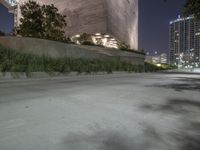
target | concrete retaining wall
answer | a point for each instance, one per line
(58, 50)
(10, 76)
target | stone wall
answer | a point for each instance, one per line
(81, 15)
(118, 18)
(54, 49)
(123, 20)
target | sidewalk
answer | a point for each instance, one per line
(189, 71)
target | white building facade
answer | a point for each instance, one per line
(117, 18)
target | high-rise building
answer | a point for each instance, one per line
(116, 18)
(184, 41)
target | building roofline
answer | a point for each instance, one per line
(8, 6)
(181, 19)
(5, 3)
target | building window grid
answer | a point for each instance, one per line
(186, 40)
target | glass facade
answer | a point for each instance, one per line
(184, 42)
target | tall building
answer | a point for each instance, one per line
(117, 18)
(184, 41)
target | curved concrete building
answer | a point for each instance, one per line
(118, 18)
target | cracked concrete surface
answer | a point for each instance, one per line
(104, 112)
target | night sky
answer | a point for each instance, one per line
(7, 24)
(153, 23)
(154, 18)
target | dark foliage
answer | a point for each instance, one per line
(122, 45)
(41, 22)
(192, 7)
(2, 33)
(13, 61)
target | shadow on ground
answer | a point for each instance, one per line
(188, 135)
(185, 137)
(115, 140)
(185, 84)
(174, 105)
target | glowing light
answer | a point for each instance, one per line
(77, 35)
(98, 37)
(106, 36)
(198, 33)
(158, 65)
(12, 2)
(105, 39)
(98, 34)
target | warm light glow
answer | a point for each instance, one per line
(158, 65)
(12, 2)
(77, 35)
(107, 36)
(98, 37)
(98, 34)
(105, 39)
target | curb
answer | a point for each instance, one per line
(43, 75)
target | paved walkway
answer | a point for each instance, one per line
(106, 112)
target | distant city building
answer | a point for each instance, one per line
(157, 59)
(184, 42)
(163, 58)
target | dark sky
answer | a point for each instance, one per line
(6, 20)
(154, 17)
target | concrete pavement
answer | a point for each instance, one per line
(103, 112)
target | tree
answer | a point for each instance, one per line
(122, 45)
(85, 39)
(53, 23)
(2, 33)
(192, 7)
(32, 20)
(41, 22)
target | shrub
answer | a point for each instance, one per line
(87, 43)
(2, 33)
(85, 39)
(122, 45)
(12, 61)
(41, 22)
